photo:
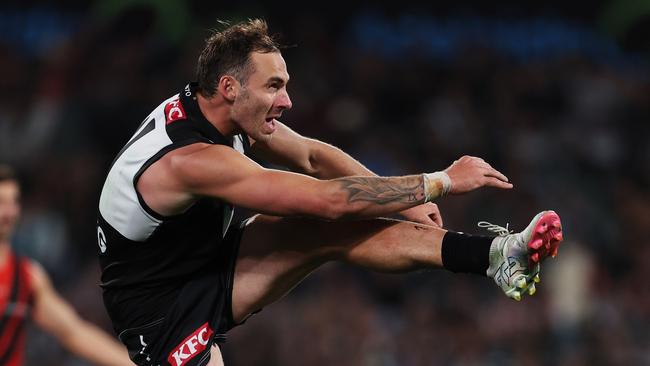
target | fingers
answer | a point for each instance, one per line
(436, 219)
(490, 171)
(497, 183)
(501, 180)
(435, 215)
(470, 172)
(423, 214)
(496, 174)
(426, 220)
(432, 214)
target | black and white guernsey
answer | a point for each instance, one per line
(140, 249)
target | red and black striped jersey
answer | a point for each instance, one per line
(16, 300)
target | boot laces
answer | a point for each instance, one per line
(499, 230)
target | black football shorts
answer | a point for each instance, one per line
(199, 315)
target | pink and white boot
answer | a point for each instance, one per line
(515, 258)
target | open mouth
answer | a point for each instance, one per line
(270, 123)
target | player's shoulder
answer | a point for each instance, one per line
(198, 155)
(196, 164)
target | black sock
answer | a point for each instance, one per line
(466, 253)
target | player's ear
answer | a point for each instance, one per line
(228, 87)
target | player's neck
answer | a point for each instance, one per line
(217, 113)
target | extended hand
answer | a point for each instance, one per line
(469, 173)
(427, 214)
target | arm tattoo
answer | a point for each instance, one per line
(381, 190)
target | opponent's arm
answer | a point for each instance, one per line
(321, 160)
(220, 172)
(57, 317)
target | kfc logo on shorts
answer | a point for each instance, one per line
(174, 111)
(194, 344)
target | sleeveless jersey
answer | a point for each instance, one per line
(144, 256)
(16, 300)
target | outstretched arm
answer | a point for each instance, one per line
(174, 182)
(321, 160)
(57, 317)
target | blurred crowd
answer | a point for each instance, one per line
(570, 130)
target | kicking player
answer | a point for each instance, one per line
(26, 291)
(177, 276)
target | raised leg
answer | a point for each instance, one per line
(277, 253)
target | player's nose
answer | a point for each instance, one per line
(284, 102)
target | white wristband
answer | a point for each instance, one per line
(436, 185)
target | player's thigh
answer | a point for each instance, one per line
(275, 254)
(274, 244)
(215, 356)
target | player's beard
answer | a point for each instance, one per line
(250, 115)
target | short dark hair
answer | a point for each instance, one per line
(7, 173)
(227, 52)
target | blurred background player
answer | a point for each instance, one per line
(26, 291)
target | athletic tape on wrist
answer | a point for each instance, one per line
(436, 185)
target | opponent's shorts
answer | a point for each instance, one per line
(198, 316)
